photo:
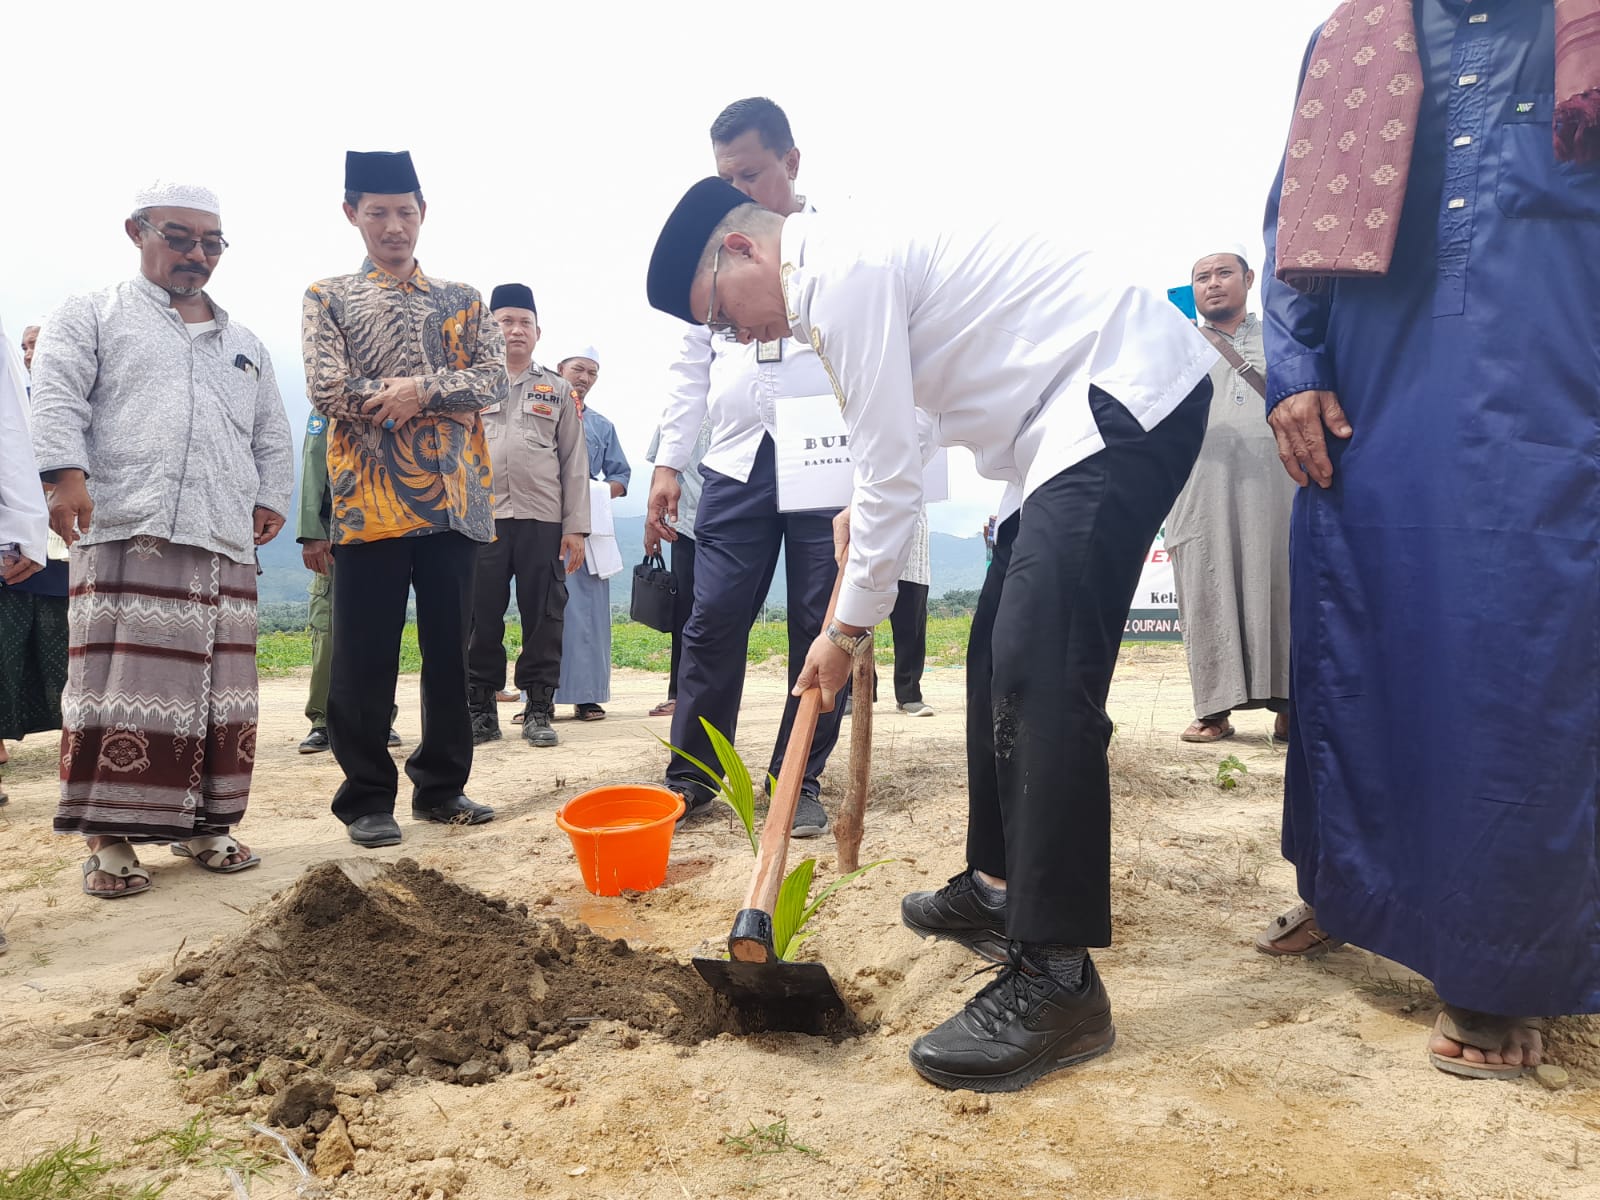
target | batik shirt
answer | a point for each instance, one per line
(433, 473)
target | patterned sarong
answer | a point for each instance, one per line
(159, 717)
(33, 662)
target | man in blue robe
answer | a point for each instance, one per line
(1443, 419)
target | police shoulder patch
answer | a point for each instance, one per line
(316, 424)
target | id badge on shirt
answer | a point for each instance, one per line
(769, 352)
(538, 408)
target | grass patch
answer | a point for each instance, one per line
(196, 1142)
(761, 1140)
(76, 1171)
(635, 646)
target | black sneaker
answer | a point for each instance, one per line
(394, 737)
(959, 913)
(1020, 1027)
(809, 818)
(316, 741)
(485, 726)
(536, 729)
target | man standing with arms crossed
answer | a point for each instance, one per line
(401, 362)
(541, 511)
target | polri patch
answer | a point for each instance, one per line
(316, 424)
(543, 387)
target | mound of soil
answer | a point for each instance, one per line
(395, 968)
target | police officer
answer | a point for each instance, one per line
(311, 531)
(541, 516)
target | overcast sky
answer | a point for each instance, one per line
(552, 139)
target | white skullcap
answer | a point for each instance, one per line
(1234, 248)
(588, 352)
(166, 194)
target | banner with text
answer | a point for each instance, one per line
(1154, 614)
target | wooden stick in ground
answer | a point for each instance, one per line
(852, 815)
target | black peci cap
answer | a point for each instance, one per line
(384, 172)
(682, 242)
(513, 295)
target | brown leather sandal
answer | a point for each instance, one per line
(1296, 934)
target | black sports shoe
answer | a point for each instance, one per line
(809, 818)
(394, 737)
(536, 729)
(316, 741)
(959, 913)
(696, 804)
(485, 725)
(1020, 1027)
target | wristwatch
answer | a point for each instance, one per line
(851, 644)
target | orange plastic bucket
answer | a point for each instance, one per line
(622, 835)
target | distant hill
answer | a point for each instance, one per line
(958, 565)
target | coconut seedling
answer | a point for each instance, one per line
(735, 788)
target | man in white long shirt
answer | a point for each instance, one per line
(739, 528)
(1088, 398)
(157, 418)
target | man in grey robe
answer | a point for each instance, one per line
(586, 633)
(1228, 533)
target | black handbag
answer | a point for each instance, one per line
(655, 594)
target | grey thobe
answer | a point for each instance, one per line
(586, 635)
(1229, 540)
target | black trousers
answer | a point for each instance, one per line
(683, 572)
(909, 624)
(369, 613)
(530, 553)
(738, 533)
(1044, 642)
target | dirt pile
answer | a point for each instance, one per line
(396, 969)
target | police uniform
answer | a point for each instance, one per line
(541, 493)
(311, 525)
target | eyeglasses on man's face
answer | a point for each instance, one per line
(726, 328)
(179, 243)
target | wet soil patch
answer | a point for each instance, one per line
(396, 969)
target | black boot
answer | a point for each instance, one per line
(536, 730)
(485, 719)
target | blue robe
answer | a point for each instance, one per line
(586, 631)
(1440, 801)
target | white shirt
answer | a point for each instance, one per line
(996, 335)
(721, 381)
(23, 516)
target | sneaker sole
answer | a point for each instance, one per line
(313, 749)
(809, 831)
(1045, 1064)
(990, 945)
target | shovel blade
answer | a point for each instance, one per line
(779, 996)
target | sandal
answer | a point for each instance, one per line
(1208, 731)
(665, 709)
(590, 712)
(1296, 934)
(223, 847)
(116, 859)
(1482, 1031)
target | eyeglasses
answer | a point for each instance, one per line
(179, 244)
(725, 328)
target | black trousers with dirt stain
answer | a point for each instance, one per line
(1043, 646)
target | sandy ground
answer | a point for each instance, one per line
(1234, 1075)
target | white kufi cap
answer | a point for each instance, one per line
(588, 352)
(166, 194)
(1234, 248)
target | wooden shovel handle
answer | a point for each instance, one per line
(773, 855)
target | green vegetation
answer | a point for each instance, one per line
(76, 1171)
(632, 645)
(760, 1140)
(195, 1142)
(1228, 772)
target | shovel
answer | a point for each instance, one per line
(767, 992)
